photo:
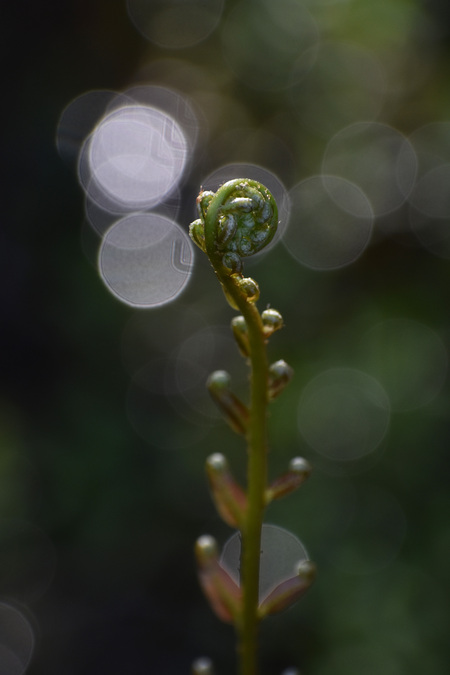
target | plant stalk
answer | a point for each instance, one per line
(247, 625)
(256, 481)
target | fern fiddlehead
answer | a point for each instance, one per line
(237, 221)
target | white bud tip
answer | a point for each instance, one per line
(206, 545)
(239, 322)
(299, 465)
(217, 462)
(306, 569)
(219, 378)
(202, 666)
(281, 367)
(272, 318)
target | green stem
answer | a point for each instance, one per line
(247, 627)
(256, 480)
(256, 485)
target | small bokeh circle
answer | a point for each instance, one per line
(175, 25)
(377, 158)
(343, 414)
(345, 84)
(261, 41)
(133, 159)
(17, 640)
(330, 224)
(408, 358)
(281, 551)
(146, 260)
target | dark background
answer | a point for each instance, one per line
(97, 522)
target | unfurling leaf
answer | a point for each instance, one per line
(238, 220)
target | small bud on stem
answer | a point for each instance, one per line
(280, 374)
(272, 321)
(240, 332)
(234, 411)
(229, 497)
(299, 470)
(202, 666)
(222, 592)
(289, 591)
(249, 288)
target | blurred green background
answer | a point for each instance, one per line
(102, 487)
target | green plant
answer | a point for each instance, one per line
(237, 221)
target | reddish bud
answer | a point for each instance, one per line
(299, 470)
(234, 411)
(229, 497)
(222, 592)
(289, 591)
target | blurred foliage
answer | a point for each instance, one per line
(115, 591)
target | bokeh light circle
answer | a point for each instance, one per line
(408, 358)
(101, 218)
(377, 158)
(343, 414)
(77, 121)
(429, 212)
(263, 176)
(346, 84)
(262, 39)
(432, 194)
(146, 260)
(134, 158)
(17, 640)
(432, 145)
(330, 224)
(281, 551)
(196, 357)
(259, 148)
(173, 24)
(179, 107)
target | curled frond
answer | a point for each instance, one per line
(240, 219)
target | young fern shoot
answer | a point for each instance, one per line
(237, 221)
